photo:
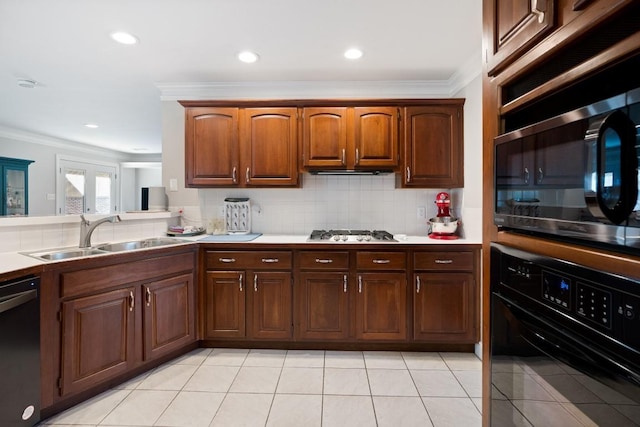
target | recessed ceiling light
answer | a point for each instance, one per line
(353, 54)
(91, 125)
(26, 83)
(124, 38)
(248, 57)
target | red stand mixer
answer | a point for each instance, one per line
(443, 226)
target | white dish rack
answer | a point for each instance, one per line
(237, 214)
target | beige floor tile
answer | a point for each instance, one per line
(462, 361)
(212, 378)
(301, 381)
(437, 384)
(452, 412)
(344, 381)
(140, 407)
(420, 360)
(471, 382)
(478, 402)
(256, 379)
(272, 358)
(226, 356)
(384, 360)
(243, 410)
(400, 412)
(191, 409)
(92, 411)
(347, 411)
(391, 382)
(195, 357)
(168, 377)
(304, 359)
(503, 413)
(344, 359)
(133, 383)
(295, 410)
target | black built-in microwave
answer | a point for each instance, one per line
(574, 176)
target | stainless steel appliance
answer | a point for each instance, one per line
(351, 236)
(20, 352)
(575, 175)
(565, 347)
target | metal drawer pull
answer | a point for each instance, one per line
(324, 261)
(227, 260)
(444, 261)
(417, 284)
(537, 10)
(255, 283)
(344, 283)
(240, 282)
(357, 156)
(270, 260)
(359, 284)
(147, 295)
(246, 175)
(344, 162)
(132, 301)
(381, 261)
(234, 175)
(408, 174)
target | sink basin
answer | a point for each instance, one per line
(67, 253)
(138, 244)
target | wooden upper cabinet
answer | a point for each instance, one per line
(433, 146)
(350, 137)
(212, 148)
(515, 26)
(325, 137)
(269, 146)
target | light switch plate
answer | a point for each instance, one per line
(173, 184)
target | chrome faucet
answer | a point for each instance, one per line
(86, 228)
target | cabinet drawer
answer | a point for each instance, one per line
(323, 260)
(459, 261)
(381, 260)
(232, 260)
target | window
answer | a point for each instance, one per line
(85, 186)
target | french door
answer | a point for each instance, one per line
(84, 187)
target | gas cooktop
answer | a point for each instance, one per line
(351, 236)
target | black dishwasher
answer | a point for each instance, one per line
(20, 352)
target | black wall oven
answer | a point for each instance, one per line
(574, 175)
(565, 343)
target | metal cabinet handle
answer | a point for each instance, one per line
(246, 175)
(234, 175)
(132, 301)
(344, 283)
(227, 260)
(359, 284)
(444, 261)
(417, 284)
(147, 295)
(17, 300)
(408, 174)
(357, 156)
(240, 281)
(381, 261)
(323, 261)
(255, 283)
(526, 175)
(540, 175)
(344, 159)
(538, 8)
(270, 260)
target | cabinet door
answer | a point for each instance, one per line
(433, 147)
(269, 141)
(169, 318)
(271, 315)
(212, 147)
(323, 306)
(444, 307)
(224, 312)
(98, 339)
(381, 306)
(517, 26)
(376, 136)
(324, 137)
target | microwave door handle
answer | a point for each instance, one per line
(526, 175)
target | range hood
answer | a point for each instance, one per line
(351, 172)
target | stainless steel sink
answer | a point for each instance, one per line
(68, 253)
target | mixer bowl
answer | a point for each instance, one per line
(444, 224)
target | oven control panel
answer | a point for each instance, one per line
(594, 304)
(557, 289)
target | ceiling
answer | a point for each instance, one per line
(83, 76)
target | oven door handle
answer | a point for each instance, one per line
(566, 347)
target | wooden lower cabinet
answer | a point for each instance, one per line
(225, 304)
(381, 306)
(97, 339)
(271, 311)
(323, 306)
